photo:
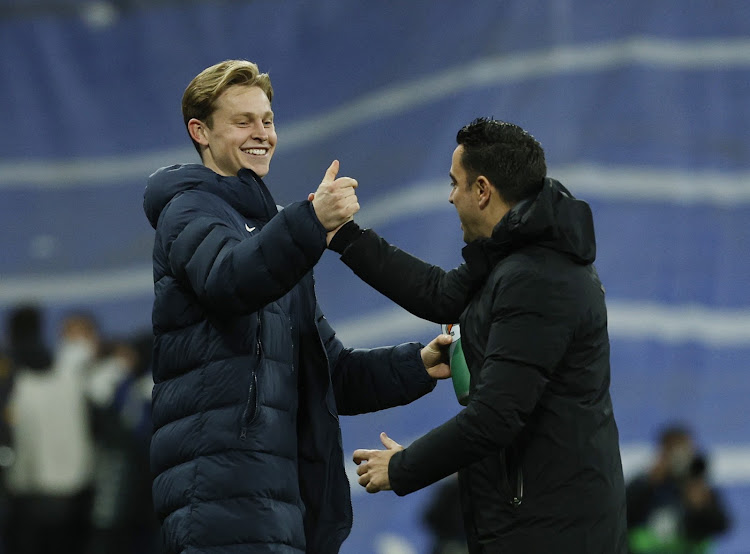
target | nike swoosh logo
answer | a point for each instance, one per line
(249, 229)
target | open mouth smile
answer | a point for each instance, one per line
(255, 151)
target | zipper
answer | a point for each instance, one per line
(251, 405)
(325, 353)
(518, 498)
(252, 391)
(291, 341)
(517, 491)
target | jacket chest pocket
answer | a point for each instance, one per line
(275, 351)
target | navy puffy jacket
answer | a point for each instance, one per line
(250, 377)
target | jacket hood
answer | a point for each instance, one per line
(553, 219)
(246, 192)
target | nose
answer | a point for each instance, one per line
(450, 196)
(259, 131)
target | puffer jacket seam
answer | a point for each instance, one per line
(199, 365)
(292, 502)
(215, 408)
(204, 363)
(254, 542)
(208, 409)
(222, 451)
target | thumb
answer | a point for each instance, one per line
(388, 442)
(444, 339)
(331, 172)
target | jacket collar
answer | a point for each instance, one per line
(553, 219)
(245, 192)
(248, 194)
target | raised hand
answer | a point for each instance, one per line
(373, 465)
(335, 202)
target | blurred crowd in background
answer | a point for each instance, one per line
(74, 441)
(74, 438)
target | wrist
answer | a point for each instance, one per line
(315, 217)
(348, 233)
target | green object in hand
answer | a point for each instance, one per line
(459, 369)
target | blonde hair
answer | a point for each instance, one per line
(199, 99)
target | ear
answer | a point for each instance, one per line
(484, 192)
(197, 130)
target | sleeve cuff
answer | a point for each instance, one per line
(428, 379)
(345, 236)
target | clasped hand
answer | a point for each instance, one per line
(335, 201)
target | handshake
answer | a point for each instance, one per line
(335, 202)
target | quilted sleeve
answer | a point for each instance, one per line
(230, 272)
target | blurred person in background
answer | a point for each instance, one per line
(537, 447)
(443, 519)
(672, 507)
(249, 376)
(119, 391)
(50, 479)
(7, 453)
(79, 344)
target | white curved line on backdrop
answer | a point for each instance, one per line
(585, 181)
(628, 319)
(493, 70)
(424, 197)
(715, 327)
(83, 286)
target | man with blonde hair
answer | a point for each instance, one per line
(249, 376)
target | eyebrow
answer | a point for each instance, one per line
(251, 114)
(453, 177)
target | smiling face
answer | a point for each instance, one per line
(239, 133)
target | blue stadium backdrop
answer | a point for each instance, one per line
(642, 107)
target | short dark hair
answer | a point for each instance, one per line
(509, 157)
(25, 338)
(672, 433)
(24, 324)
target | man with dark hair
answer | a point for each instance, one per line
(536, 447)
(504, 153)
